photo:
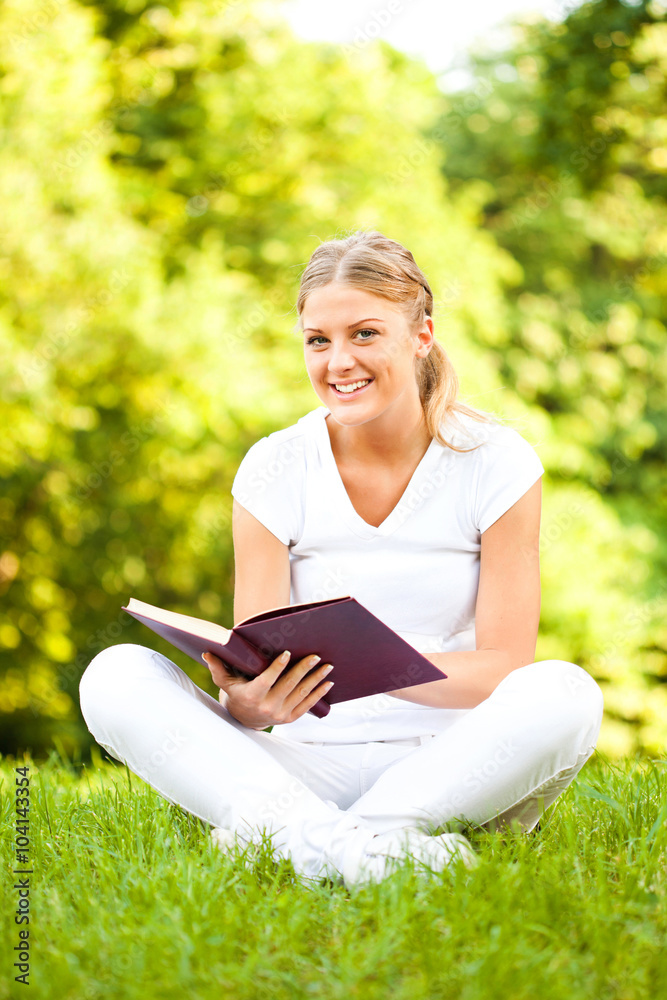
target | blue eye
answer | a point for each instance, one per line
(319, 338)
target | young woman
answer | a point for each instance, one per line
(428, 512)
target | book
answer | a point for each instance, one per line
(367, 656)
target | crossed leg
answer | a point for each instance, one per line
(508, 758)
(505, 760)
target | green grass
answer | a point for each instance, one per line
(131, 900)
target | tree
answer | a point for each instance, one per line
(167, 172)
(558, 150)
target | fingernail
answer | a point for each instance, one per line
(328, 669)
(315, 659)
(285, 656)
(203, 656)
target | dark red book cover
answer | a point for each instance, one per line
(368, 657)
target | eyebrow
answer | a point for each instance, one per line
(368, 319)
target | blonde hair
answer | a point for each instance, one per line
(377, 264)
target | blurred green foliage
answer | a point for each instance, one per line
(165, 173)
(559, 147)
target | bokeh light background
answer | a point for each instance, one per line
(165, 173)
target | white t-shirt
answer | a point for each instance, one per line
(418, 571)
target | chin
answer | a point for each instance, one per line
(343, 415)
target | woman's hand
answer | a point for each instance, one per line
(275, 696)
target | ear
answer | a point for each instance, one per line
(424, 338)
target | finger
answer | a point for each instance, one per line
(288, 679)
(304, 687)
(296, 675)
(268, 677)
(322, 688)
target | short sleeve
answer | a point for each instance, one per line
(508, 467)
(270, 484)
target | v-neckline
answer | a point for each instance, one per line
(354, 520)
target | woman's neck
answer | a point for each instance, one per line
(389, 442)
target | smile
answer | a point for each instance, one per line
(350, 389)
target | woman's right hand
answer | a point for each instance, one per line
(277, 695)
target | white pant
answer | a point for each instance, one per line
(506, 759)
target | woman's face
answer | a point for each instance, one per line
(351, 336)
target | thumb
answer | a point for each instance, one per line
(219, 672)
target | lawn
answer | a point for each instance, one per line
(129, 899)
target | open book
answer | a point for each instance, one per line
(368, 657)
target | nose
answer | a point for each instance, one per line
(341, 358)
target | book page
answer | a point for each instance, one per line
(196, 626)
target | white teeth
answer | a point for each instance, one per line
(352, 386)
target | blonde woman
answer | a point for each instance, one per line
(428, 512)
